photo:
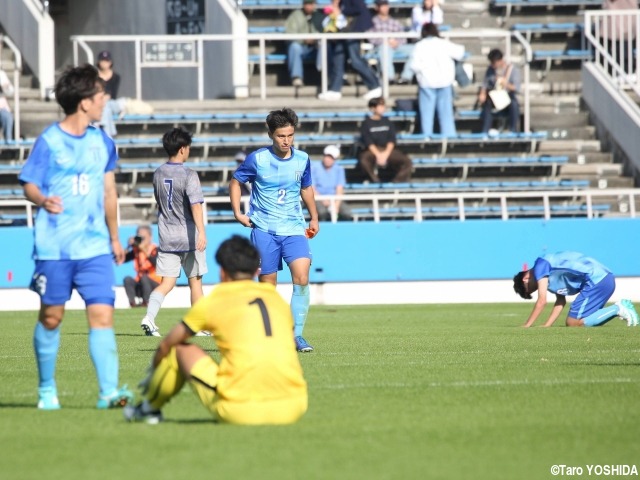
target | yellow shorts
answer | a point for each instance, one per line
(204, 378)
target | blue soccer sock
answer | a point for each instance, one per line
(601, 317)
(299, 307)
(104, 355)
(46, 344)
(155, 302)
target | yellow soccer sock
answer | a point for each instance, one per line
(166, 381)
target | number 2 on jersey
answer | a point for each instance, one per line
(265, 315)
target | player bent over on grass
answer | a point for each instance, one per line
(70, 176)
(280, 176)
(259, 379)
(571, 273)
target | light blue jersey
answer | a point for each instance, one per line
(275, 197)
(569, 272)
(73, 169)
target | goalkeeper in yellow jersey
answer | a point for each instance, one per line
(259, 379)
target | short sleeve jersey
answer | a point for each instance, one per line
(326, 180)
(275, 196)
(569, 272)
(253, 330)
(176, 188)
(72, 168)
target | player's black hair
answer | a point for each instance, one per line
(238, 257)
(495, 55)
(174, 140)
(75, 84)
(429, 30)
(518, 285)
(374, 102)
(281, 118)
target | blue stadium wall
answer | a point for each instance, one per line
(406, 250)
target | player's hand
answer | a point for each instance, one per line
(245, 220)
(53, 205)
(312, 231)
(201, 242)
(118, 252)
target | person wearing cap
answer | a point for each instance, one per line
(380, 159)
(329, 179)
(305, 20)
(112, 84)
(383, 22)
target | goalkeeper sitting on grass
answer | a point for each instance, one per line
(571, 273)
(259, 379)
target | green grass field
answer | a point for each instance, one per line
(395, 392)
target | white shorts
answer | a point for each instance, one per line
(193, 263)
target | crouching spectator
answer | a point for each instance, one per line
(144, 254)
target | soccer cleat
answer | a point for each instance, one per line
(48, 399)
(204, 333)
(627, 312)
(302, 345)
(150, 329)
(119, 398)
(136, 414)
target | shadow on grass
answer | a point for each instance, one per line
(192, 421)
(17, 405)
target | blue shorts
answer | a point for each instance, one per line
(593, 298)
(274, 248)
(93, 278)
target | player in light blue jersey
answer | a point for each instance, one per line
(571, 273)
(280, 175)
(69, 175)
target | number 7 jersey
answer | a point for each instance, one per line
(73, 168)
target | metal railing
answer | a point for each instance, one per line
(16, 83)
(625, 198)
(613, 37)
(81, 42)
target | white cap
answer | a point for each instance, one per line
(333, 151)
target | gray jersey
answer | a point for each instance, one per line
(176, 188)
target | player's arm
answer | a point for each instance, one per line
(178, 334)
(51, 204)
(561, 301)
(111, 215)
(201, 240)
(235, 194)
(310, 202)
(541, 301)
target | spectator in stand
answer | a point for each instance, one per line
(433, 61)
(305, 20)
(383, 22)
(329, 179)
(358, 20)
(112, 84)
(144, 254)
(428, 12)
(6, 117)
(380, 158)
(504, 75)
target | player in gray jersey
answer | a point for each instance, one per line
(180, 226)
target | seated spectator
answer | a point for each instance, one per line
(144, 254)
(305, 20)
(507, 76)
(112, 83)
(383, 22)
(380, 159)
(359, 20)
(329, 179)
(433, 61)
(6, 117)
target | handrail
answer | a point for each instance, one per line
(461, 199)
(323, 38)
(16, 84)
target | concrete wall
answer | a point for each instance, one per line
(408, 251)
